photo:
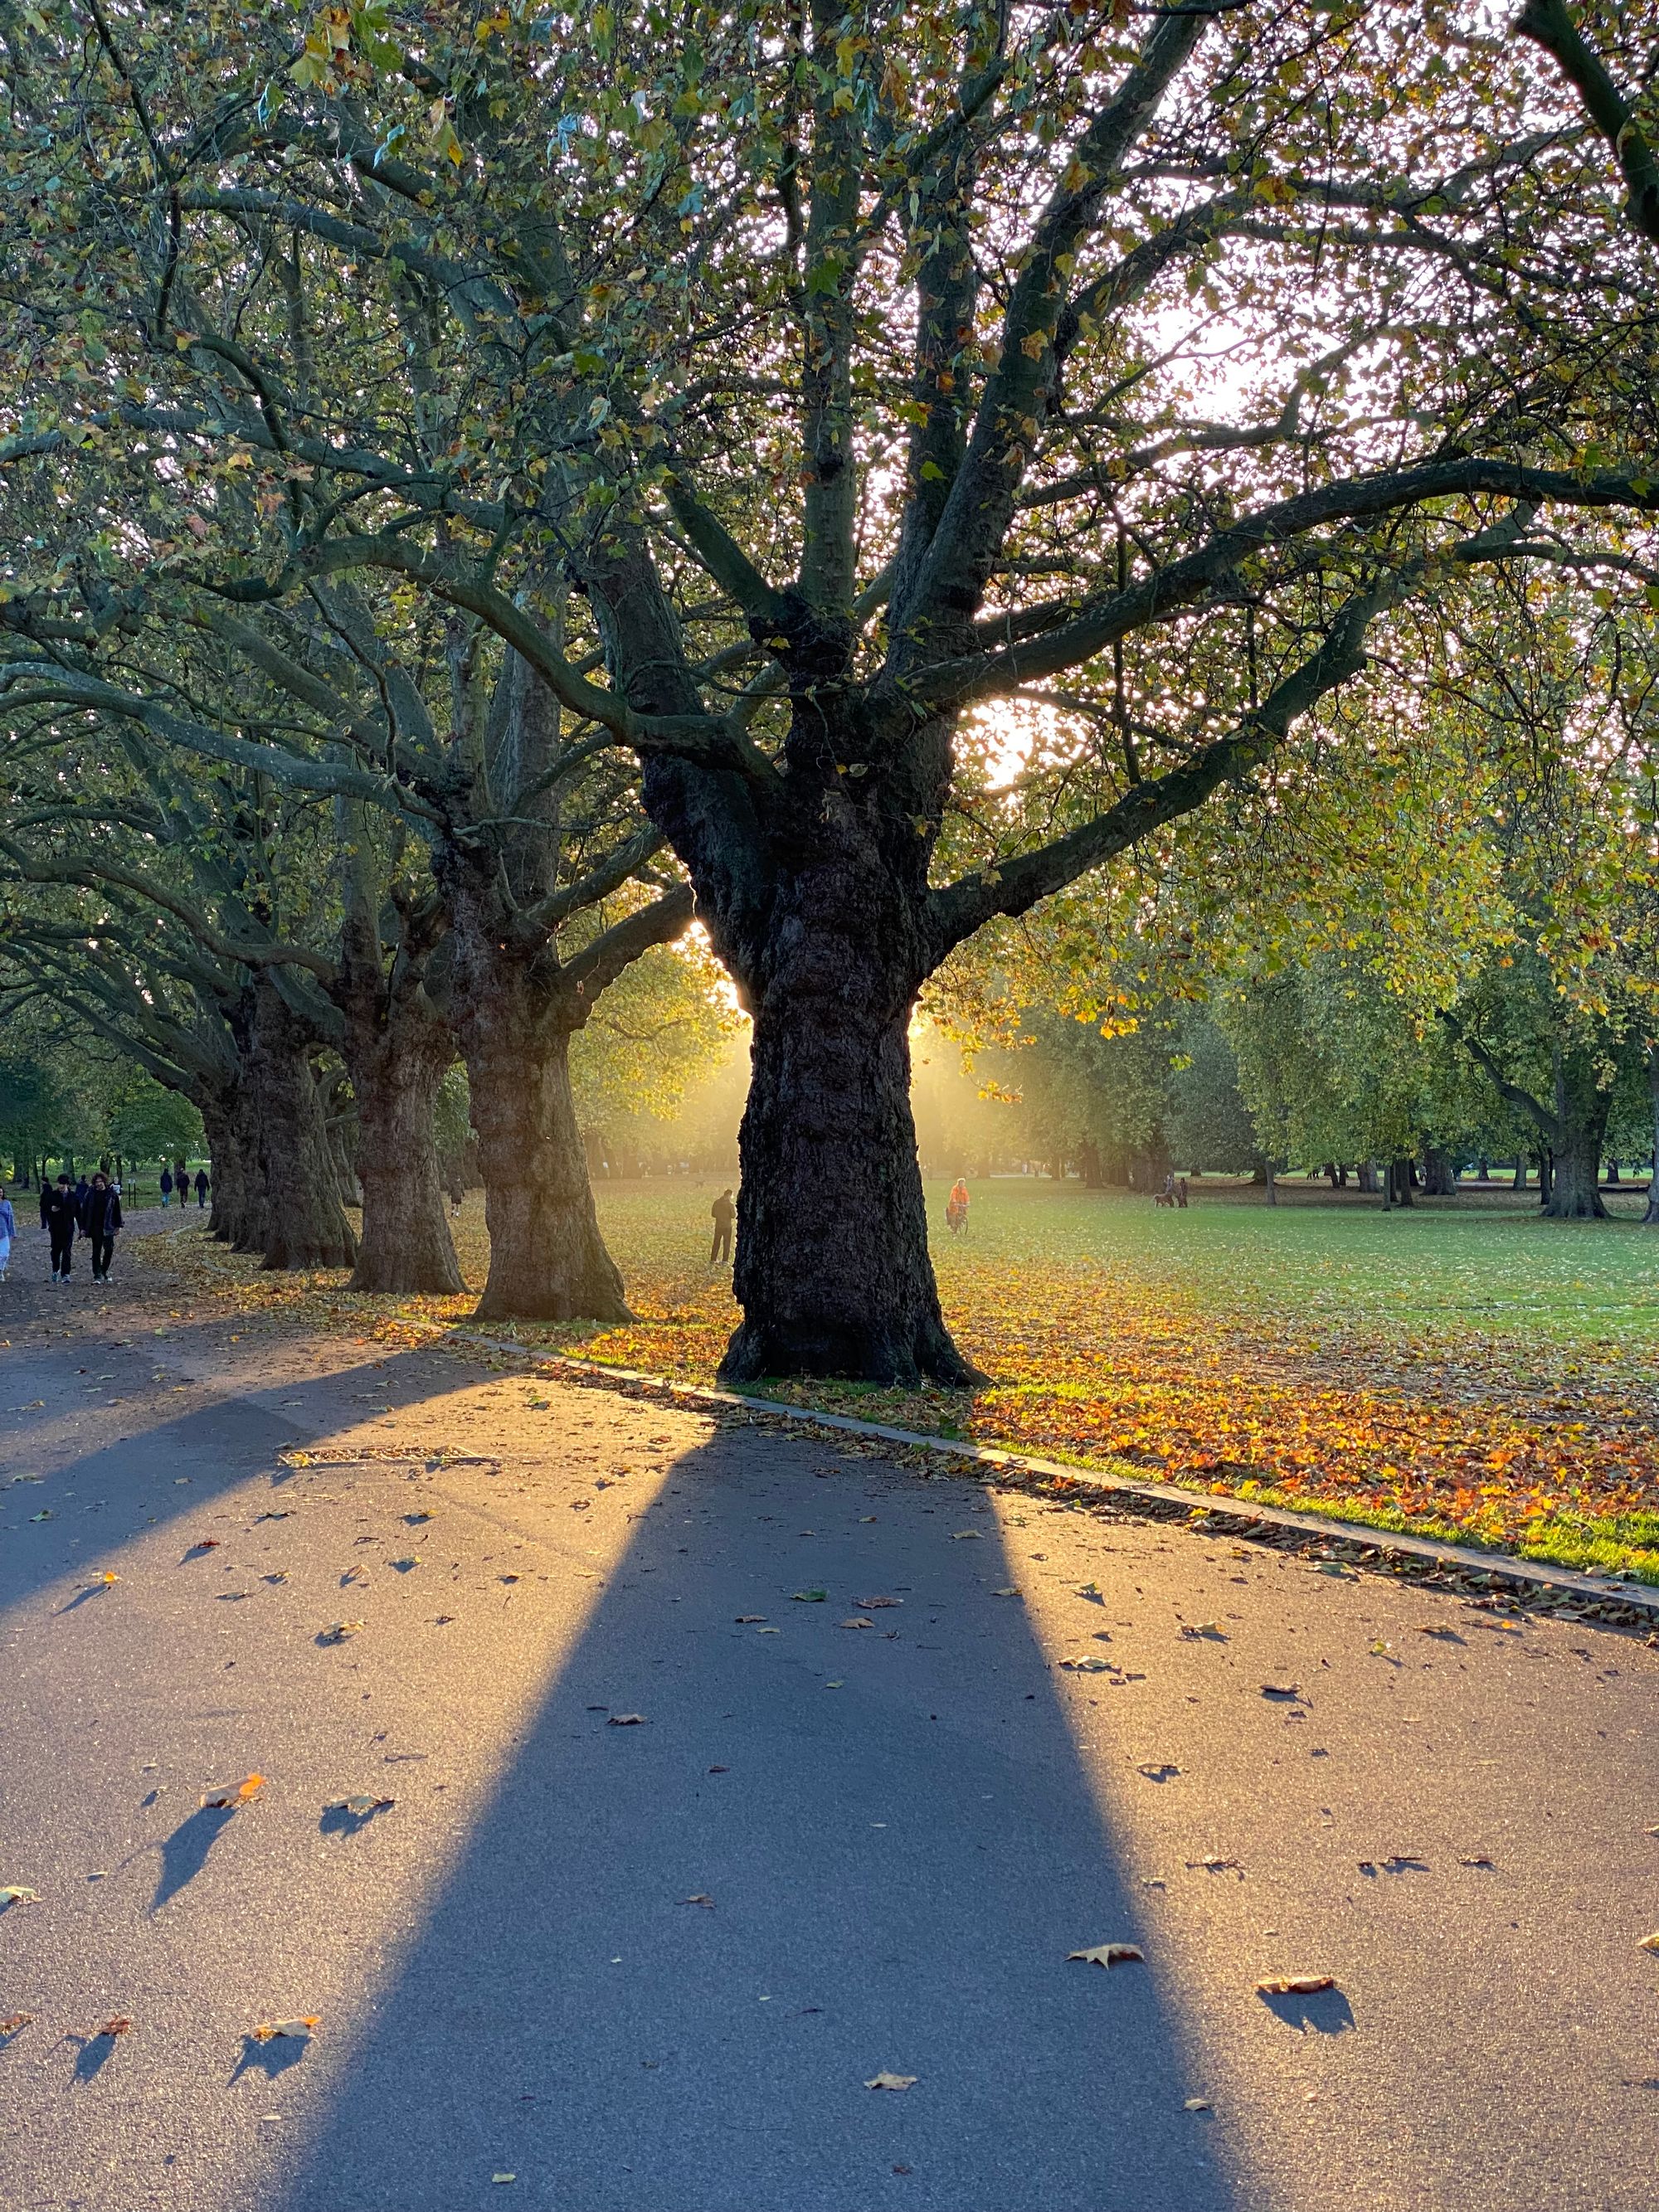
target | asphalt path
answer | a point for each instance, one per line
(679, 1857)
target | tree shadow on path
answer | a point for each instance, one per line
(670, 1955)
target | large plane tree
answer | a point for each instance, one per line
(973, 437)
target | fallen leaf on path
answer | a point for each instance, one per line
(15, 1893)
(118, 2026)
(240, 1795)
(626, 1720)
(338, 1631)
(700, 1899)
(1478, 1863)
(1196, 2105)
(15, 2023)
(297, 2031)
(1155, 1771)
(894, 2082)
(1090, 1665)
(1213, 1865)
(47, 1516)
(415, 1520)
(206, 1544)
(360, 1806)
(1647, 1944)
(1212, 1631)
(749, 1620)
(1108, 1954)
(809, 1598)
(875, 1604)
(1004, 1593)
(503, 2177)
(1280, 1690)
(968, 1536)
(1295, 1985)
(403, 1567)
(857, 1621)
(103, 1581)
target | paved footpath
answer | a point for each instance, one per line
(680, 1854)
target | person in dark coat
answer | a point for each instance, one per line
(45, 1204)
(100, 1222)
(724, 1213)
(83, 1189)
(167, 1185)
(203, 1186)
(58, 1215)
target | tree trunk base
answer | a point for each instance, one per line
(849, 1352)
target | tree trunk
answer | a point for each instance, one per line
(833, 1271)
(1651, 1214)
(305, 1225)
(406, 1246)
(1365, 1178)
(1520, 1171)
(1399, 1174)
(1439, 1176)
(1581, 1108)
(547, 1258)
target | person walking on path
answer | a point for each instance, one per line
(58, 1212)
(100, 1222)
(7, 1231)
(203, 1186)
(725, 1215)
(82, 1192)
(167, 1185)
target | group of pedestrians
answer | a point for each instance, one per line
(180, 1182)
(92, 1210)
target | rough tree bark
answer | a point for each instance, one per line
(1651, 1212)
(305, 1225)
(396, 1048)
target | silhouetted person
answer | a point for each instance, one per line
(167, 1185)
(1181, 1191)
(58, 1212)
(725, 1215)
(100, 1222)
(203, 1186)
(83, 1190)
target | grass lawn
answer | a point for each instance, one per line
(1459, 1368)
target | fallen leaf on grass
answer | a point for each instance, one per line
(1295, 1985)
(894, 2082)
(297, 2031)
(240, 1794)
(1108, 1954)
(626, 1720)
(338, 1631)
(15, 1893)
(360, 1806)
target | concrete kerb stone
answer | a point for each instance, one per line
(1619, 1603)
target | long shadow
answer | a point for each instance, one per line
(672, 1953)
(219, 1446)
